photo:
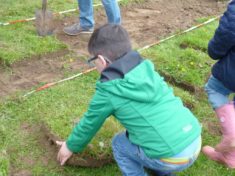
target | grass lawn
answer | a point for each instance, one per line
(185, 57)
(21, 150)
(58, 107)
(20, 41)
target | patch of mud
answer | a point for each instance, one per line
(213, 128)
(77, 159)
(189, 105)
(32, 132)
(22, 173)
(186, 86)
(39, 70)
(149, 21)
(146, 23)
(197, 48)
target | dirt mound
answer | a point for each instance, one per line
(146, 23)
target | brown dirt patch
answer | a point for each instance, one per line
(32, 132)
(213, 128)
(149, 21)
(146, 23)
(186, 86)
(81, 160)
(38, 70)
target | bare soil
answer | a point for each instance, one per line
(81, 160)
(213, 127)
(33, 132)
(146, 23)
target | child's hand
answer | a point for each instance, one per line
(64, 153)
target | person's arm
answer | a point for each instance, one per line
(99, 109)
(224, 37)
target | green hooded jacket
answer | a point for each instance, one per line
(145, 105)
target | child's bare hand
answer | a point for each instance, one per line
(64, 153)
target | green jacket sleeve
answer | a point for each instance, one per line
(99, 109)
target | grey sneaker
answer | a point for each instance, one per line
(76, 29)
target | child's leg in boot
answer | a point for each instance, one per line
(218, 98)
(227, 158)
(226, 116)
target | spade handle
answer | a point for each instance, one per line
(44, 5)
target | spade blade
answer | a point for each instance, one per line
(44, 20)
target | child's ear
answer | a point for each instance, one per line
(103, 61)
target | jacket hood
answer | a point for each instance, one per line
(121, 66)
(139, 83)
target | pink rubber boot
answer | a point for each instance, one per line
(227, 158)
(225, 151)
(226, 115)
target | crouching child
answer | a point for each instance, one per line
(161, 133)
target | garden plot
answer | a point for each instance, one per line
(29, 126)
(146, 21)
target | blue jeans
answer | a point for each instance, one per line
(86, 12)
(218, 94)
(131, 158)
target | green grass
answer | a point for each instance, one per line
(18, 9)
(185, 57)
(20, 41)
(58, 107)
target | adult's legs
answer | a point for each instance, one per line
(112, 11)
(86, 23)
(86, 14)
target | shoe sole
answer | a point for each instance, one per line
(83, 32)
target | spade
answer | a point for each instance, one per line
(44, 20)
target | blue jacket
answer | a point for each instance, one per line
(222, 48)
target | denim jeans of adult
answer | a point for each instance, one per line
(218, 94)
(132, 160)
(86, 12)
